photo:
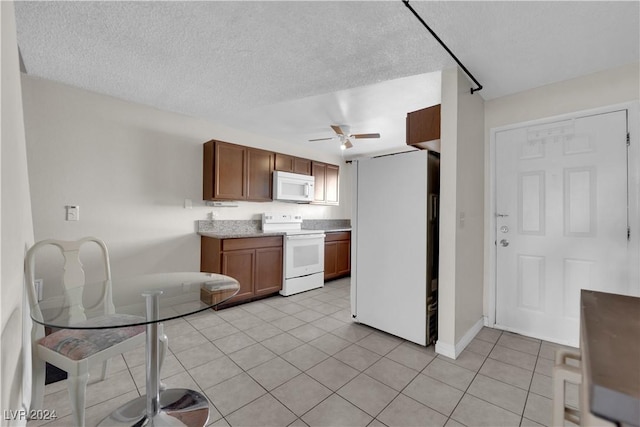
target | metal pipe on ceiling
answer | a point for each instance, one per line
(406, 3)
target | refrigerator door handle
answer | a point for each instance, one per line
(433, 207)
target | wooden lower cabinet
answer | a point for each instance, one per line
(241, 266)
(337, 254)
(268, 266)
(255, 262)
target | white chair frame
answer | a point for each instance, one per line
(77, 370)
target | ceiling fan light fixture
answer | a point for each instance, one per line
(343, 133)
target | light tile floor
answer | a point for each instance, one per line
(301, 360)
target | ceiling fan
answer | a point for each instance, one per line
(344, 135)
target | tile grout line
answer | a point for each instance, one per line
(267, 391)
(471, 382)
(530, 383)
(304, 372)
(282, 403)
(403, 388)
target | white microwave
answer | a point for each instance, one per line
(293, 187)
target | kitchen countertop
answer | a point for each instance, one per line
(237, 235)
(234, 229)
(610, 346)
(257, 233)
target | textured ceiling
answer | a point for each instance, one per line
(290, 69)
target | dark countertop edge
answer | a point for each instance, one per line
(258, 234)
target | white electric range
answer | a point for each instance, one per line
(303, 268)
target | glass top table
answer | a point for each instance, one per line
(142, 300)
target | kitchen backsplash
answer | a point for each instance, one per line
(325, 224)
(255, 226)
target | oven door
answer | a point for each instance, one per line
(304, 255)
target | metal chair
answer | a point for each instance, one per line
(76, 350)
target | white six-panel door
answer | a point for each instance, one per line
(561, 225)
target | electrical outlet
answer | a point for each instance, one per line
(73, 213)
(37, 284)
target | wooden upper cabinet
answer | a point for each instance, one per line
(259, 170)
(236, 172)
(319, 171)
(301, 166)
(286, 163)
(224, 171)
(326, 183)
(331, 184)
(423, 128)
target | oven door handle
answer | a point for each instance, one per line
(306, 237)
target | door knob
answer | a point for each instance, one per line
(504, 242)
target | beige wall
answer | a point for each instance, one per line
(448, 210)
(461, 215)
(470, 212)
(608, 87)
(15, 225)
(130, 167)
(602, 89)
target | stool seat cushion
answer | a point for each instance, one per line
(78, 344)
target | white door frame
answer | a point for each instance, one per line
(634, 199)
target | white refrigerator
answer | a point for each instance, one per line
(394, 258)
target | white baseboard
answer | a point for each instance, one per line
(470, 335)
(445, 349)
(452, 351)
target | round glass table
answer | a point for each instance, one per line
(142, 300)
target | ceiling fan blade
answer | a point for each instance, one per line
(321, 139)
(365, 135)
(348, 144)
(337, 129)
